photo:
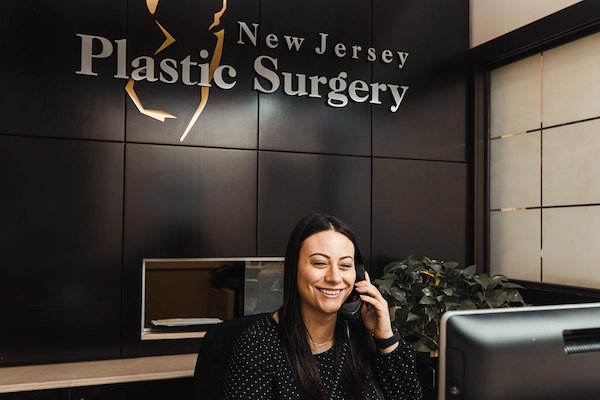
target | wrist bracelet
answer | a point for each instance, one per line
(385, 343)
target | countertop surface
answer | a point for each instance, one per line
(87, 373)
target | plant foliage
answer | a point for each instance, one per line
(420, 291)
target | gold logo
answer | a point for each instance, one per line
(162, 115)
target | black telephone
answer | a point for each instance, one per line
(350, 310)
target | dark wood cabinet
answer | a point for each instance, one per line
(148, 390)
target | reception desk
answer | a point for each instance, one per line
(87, 374)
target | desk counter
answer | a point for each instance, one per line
(88, 373)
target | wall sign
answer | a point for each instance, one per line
(206, 71)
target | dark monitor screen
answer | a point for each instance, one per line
(550, 352)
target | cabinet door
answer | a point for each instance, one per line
(150, 390)
(53, 394)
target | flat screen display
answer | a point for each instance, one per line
(529, 353)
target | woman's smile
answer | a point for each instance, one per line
(333, 293)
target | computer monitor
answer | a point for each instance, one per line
(545, 353)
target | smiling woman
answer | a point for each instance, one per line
(326, 274)
(308, 349)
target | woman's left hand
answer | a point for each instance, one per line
(375, 313)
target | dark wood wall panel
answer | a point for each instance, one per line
(184, 202)
(230, 117)
(293, 185)
(431, 122)
(58, 332)
(419, 209)
(307, 124)
(61, 214)
(41, 94)
(189, 202)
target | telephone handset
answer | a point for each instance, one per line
(350, 310)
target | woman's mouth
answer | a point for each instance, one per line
(330, 292)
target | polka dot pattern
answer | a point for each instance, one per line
(257, 370)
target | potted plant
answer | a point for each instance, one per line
(419, 291)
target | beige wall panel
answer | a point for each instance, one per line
(493, 18)
(571, 239)
(571, 166)
(571, 82)
(515, 102)
(515, 171)
(515, 244)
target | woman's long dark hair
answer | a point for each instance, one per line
(360, 354)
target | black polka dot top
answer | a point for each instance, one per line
(258, 370)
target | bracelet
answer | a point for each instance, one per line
(385, 343)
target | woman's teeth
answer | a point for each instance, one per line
(331, 292)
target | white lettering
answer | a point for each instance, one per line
(251, 35)
(375, 92)
(186, 65)
(218, 76)
(397, 96)
(272, 41)
(288, 86)
(402, 57)
(144, 69)
(371, 56)
(293, 41)
(266, 73)
(85, 67)
(358, 86)
(321, 50)
(169, 67)
(340, 50)
(387, 56)
(121, 59)
(336, 98)
(314, 85)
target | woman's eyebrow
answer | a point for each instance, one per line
(328, 257)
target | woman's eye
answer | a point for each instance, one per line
(319, 263)
(346, 266)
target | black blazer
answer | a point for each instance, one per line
(213, 357)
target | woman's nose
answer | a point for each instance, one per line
(333, 274)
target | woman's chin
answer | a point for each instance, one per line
(331, 308)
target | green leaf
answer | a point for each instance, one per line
(426, 300)
(483, 280)
(393, 266)
(437, 268)
(467, 304)
(495, 281)
(422, 347)
(510, 285)
(384, 285)
(412, 317)
(451, 265)
(448, 291)
(470, 270)
(398, 294)
(433, 313)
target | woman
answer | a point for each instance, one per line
(307, 349)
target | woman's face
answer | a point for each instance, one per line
(326, 272)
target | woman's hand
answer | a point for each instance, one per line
(375, 313)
